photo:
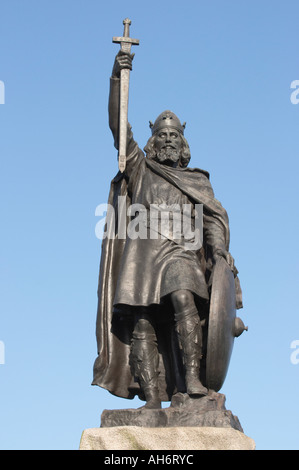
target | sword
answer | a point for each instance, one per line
(125, 44)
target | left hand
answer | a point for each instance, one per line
(221, 253)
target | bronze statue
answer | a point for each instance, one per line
(155, 290)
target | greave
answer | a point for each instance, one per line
(145, 359)
(189, 333)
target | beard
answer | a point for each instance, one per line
(168, 156)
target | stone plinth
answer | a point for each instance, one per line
(208, 411)
(179, 438)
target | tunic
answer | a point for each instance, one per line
(153, 268)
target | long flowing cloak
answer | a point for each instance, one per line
(112, 369)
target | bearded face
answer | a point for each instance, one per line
(175, 152)
(168, 146)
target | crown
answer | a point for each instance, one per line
(167, 119)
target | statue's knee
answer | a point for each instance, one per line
(182, 299)
(143, 329)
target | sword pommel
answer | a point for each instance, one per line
(127, 24)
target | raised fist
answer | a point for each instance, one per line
(123, 60)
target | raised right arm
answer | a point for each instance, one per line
(113, 109)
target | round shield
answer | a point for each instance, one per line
(222, 316)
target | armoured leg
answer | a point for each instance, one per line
(145, 360)
(188, 328)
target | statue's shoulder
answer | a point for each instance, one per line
(199, 172)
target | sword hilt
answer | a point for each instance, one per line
(125, 41)
(127, 24)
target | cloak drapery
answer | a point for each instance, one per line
(112, 369)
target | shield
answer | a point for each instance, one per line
(221, 325)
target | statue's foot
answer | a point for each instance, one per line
(198, 391)
(152, 405)
(153, 401)
(194, 386)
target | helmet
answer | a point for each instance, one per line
(167, 119)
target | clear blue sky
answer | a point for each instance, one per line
(226, 69)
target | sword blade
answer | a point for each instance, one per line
(123, 118)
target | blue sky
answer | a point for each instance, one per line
(226, 69)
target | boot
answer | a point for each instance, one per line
(145, 362)
(152, 397)
(189, 333)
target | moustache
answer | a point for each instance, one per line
(168, 154)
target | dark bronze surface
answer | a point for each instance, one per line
(166, 318)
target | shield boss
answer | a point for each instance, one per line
(221, 325)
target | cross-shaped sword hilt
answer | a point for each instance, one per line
(126, 42)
